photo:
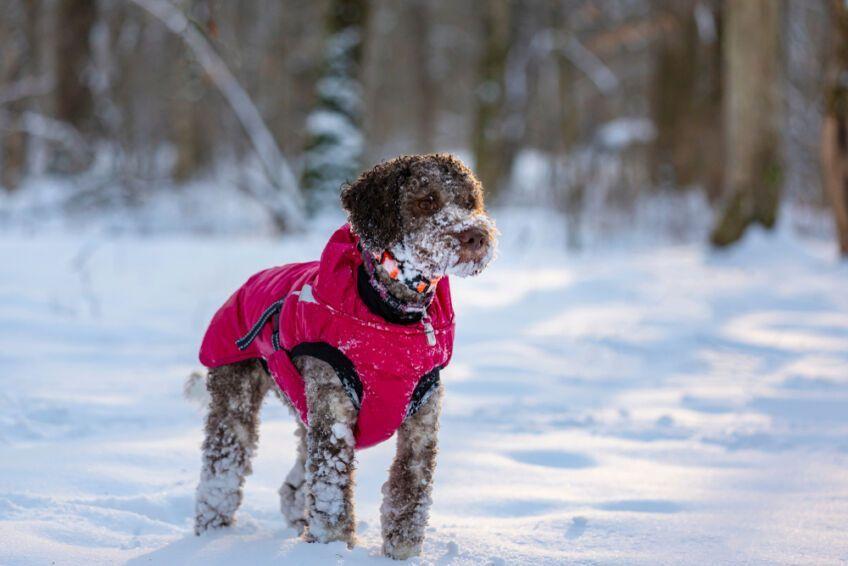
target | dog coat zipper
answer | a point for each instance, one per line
(428, 330)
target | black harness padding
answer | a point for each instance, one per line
(426, 386)
(338, 361)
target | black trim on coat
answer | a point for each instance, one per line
(275, 335)
(339, 362)
(380, 306)
(426, 386)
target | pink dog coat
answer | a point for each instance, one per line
(327, 309)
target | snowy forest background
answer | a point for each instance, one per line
(223, 116)
(654, 370)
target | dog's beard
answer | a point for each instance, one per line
(472, 268)
(434, 251)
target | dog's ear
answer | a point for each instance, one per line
(372, 203)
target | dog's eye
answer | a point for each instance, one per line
(428, 203)
(467, 201)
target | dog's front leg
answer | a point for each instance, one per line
(329, 454)
(407, 493)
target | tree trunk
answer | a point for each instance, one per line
(489, 142)
(13, 156)
(686, 103)
(17, 65)
(752, 114)
(186, 104)
(73, 54)
(426, 116)
(569, 183)
(834, 143)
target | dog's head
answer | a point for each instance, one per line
(427, 210)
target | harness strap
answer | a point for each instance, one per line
(254, 331)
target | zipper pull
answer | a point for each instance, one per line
(428, 330)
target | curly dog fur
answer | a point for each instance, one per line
(428, 210)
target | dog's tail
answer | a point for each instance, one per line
(195, 391)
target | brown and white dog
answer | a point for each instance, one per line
(427, 212)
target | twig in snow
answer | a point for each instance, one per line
(79, 263)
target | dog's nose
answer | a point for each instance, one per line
(473, 239)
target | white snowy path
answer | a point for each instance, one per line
(647, 405)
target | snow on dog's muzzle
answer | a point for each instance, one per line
(477, 244)
(454, 241)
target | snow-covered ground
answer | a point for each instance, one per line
(639, 404)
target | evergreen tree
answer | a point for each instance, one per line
(334, 150)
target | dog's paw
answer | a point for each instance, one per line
(203, 523)
(329, 535)
(401, 550)
(299, 525)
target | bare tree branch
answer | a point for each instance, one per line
(45, 127)
(26, 88)
(549, 41)
(590, 64)
(273, 162)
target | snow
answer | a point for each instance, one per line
(622, 132)
(208, 205)
(630, 404)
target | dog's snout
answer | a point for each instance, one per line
(473, 239)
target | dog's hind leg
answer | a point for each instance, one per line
(407, 493)
(232, 430)
(329, 454)
(293, 490)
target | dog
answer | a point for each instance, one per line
(353, 344)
